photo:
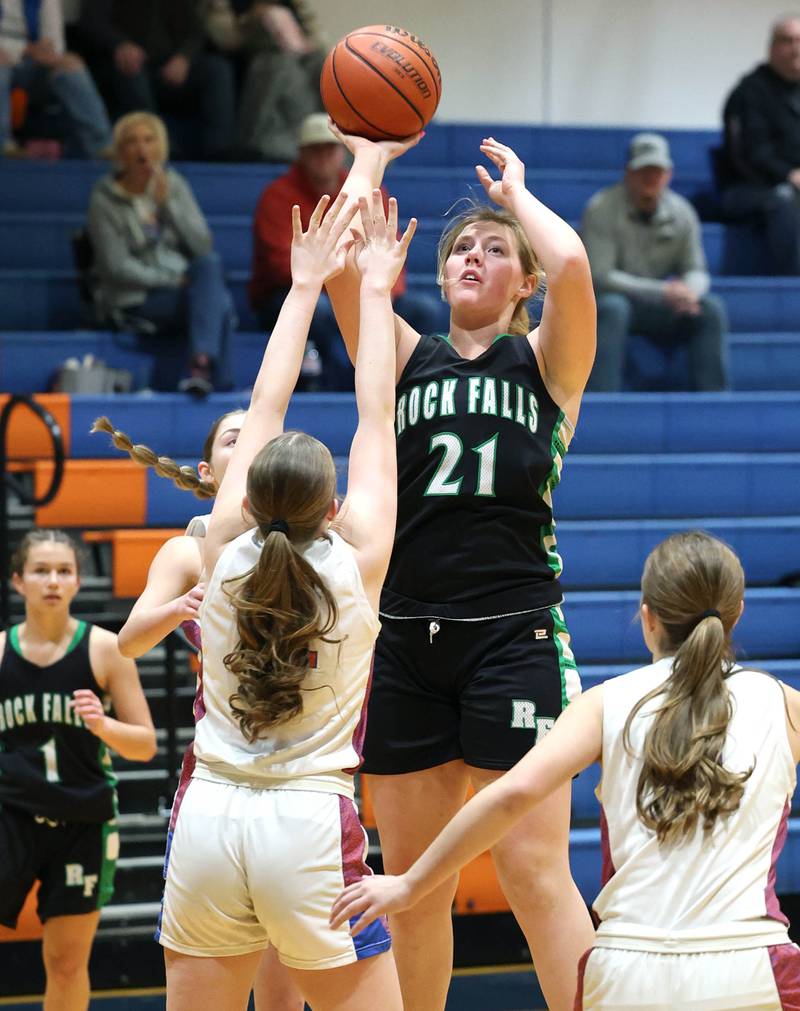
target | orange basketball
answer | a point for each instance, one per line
(381, 82)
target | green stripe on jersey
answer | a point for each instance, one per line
(567, 668)
(559, 441)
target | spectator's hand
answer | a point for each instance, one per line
(6, 59)
(42, 52)
(90, 709)
(317, 254)
(284, 28)
(129, 58)
(794, 178)
(680, 297)
(158, 185)
(513, 172)
(387, 149)
(380, 255)
(176, 70)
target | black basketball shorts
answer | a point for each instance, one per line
(483, 691)
(74, 863)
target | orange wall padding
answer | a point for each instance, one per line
(93, 493)
(27, 436)
(133, 551)
(29, 926)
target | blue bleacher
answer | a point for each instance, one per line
(640, 467)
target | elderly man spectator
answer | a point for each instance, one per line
(150, 54)
(33, 57)
(649, 271)
(319, 169)
(762, 147)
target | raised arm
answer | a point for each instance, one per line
(370, 159)
(367, 517)
(170, 596)
(565, 339)
(316, 255)
(575, 742)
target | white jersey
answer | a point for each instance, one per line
(315, 750)
(710, 892)
(197, 526)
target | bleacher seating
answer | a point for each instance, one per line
(640, 466)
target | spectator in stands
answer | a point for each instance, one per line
(278, 58)
(150, 54)
(649, 271)
(33, 57)
(761, 170)
(153, 251)
(320, 168)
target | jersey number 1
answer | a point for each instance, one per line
(48, 749)
(443, 483)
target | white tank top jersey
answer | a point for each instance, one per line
(709, 892)
(321, 748)
(197, 526)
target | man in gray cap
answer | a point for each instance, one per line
(650, 272)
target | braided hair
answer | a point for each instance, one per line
(185, 478)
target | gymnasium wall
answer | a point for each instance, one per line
(648, 63)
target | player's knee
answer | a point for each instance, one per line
(64, 966)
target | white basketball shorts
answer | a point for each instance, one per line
(246, 868)
(755, 979)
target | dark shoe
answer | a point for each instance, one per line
(196, 385)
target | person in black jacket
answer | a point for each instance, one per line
(762, 147)
(150, 55)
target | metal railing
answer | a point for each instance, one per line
(9, 481)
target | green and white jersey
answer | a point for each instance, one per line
(51, 765)
(480, 445)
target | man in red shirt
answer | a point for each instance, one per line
(320, 168)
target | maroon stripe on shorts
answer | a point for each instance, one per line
(785, 960)
(361, 727)
(771, 899)
(354, 843)
(581, 973)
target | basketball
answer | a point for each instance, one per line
(381, 82)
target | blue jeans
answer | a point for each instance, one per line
(704, 335)
(203, 307)
(777, 209)
(88, 128)
(420, 311)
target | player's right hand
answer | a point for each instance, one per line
(369, 898)
(387, 149)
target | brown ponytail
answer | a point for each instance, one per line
(683, 780)
(281, 604)
(185, 478)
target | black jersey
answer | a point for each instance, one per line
(50, 763)
(479, 449)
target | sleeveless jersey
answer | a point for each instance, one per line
(320, 748)
(480, 445)
(50, 764)
(707, 892)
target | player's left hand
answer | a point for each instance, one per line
(90, 709)
(512, 180)
(369, 898)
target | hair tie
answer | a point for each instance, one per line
(280, 525)
(710, 613)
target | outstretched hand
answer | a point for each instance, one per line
(513, 172)
(369, 898)
(380, 255)
(388, 149)
(316, 253)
